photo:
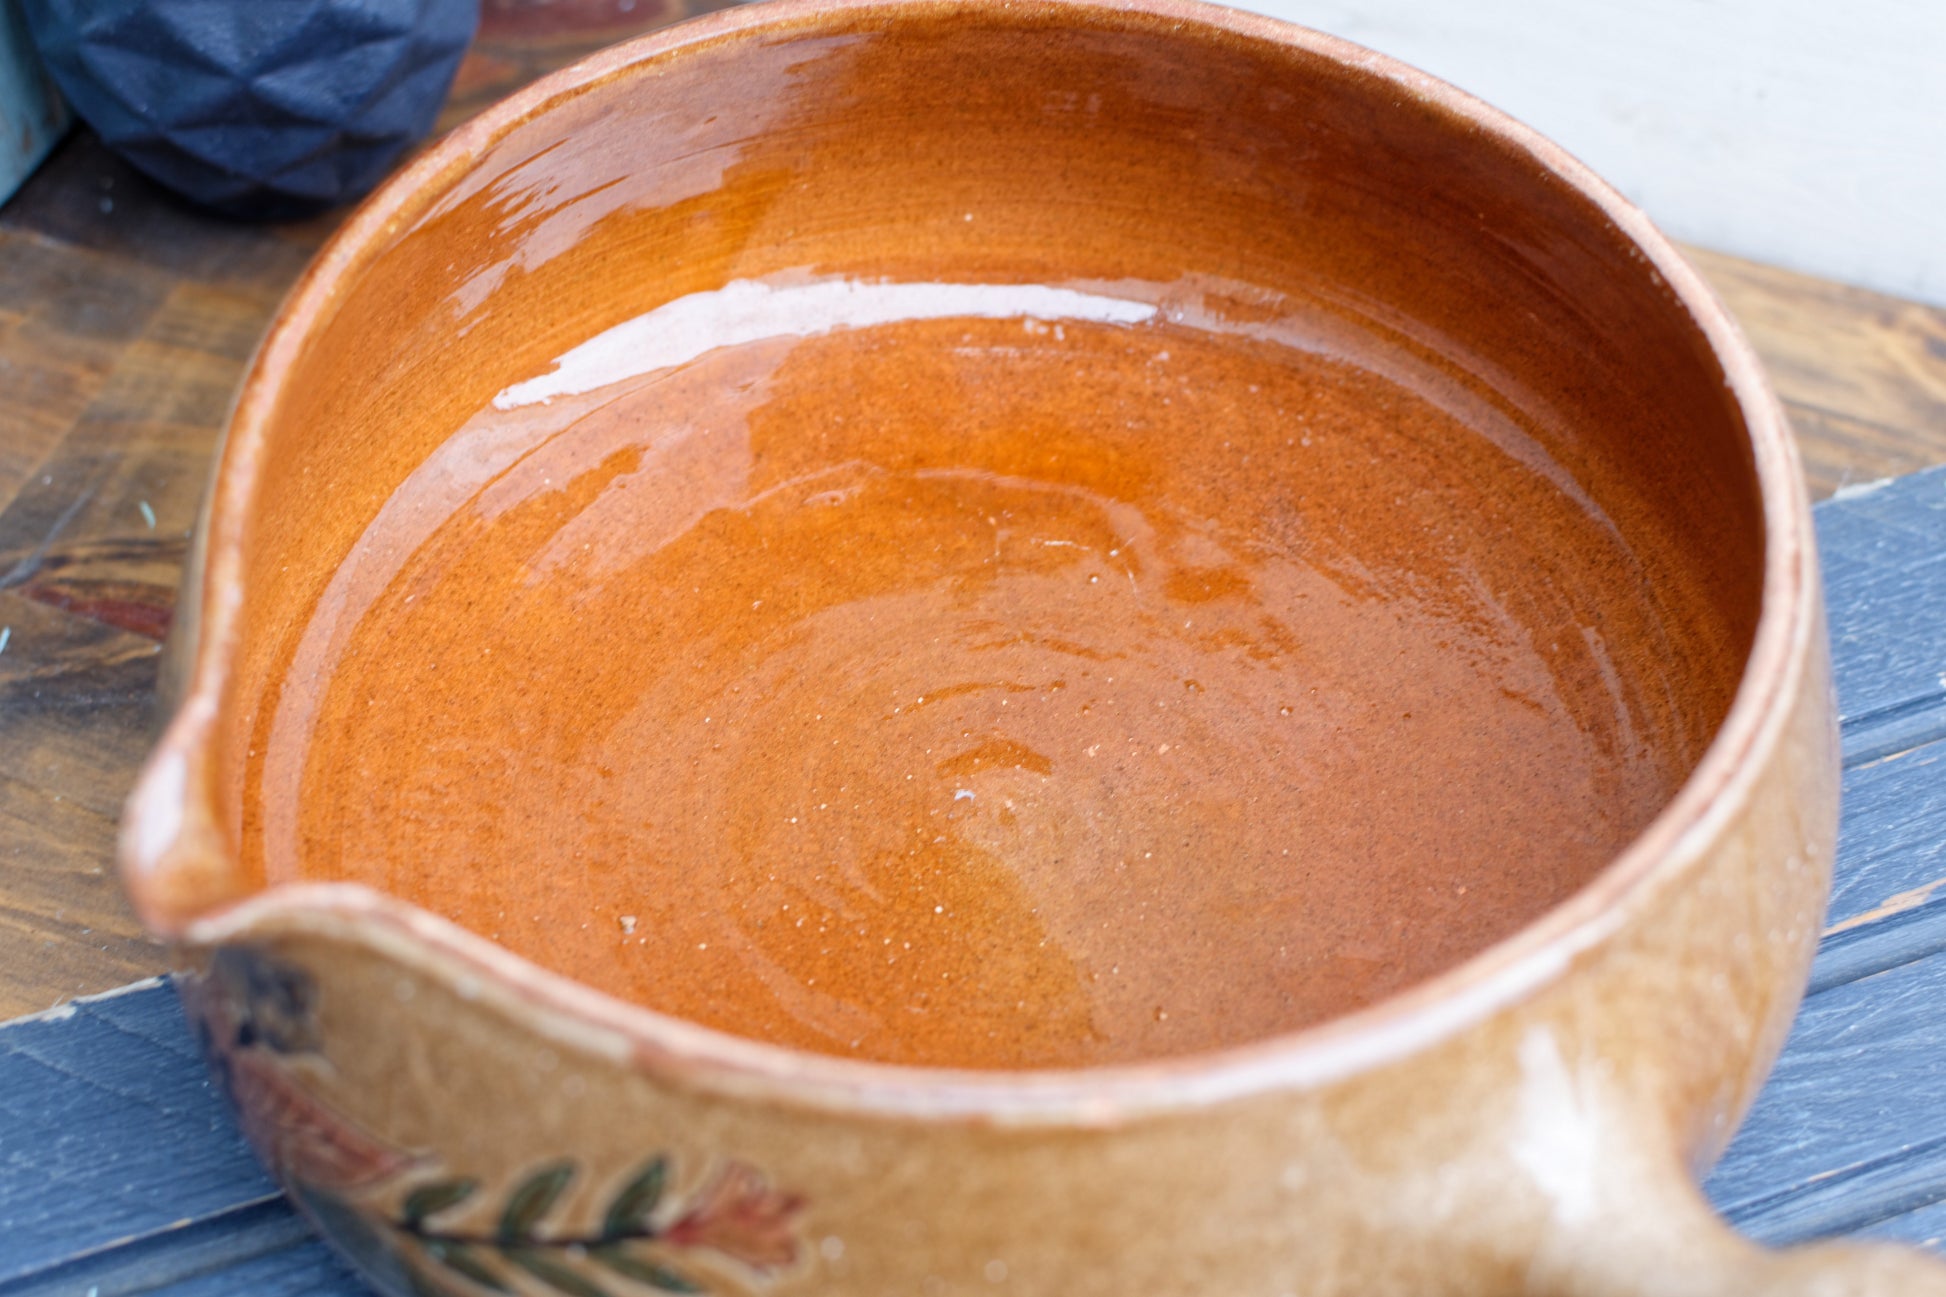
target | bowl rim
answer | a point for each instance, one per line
(175, 860)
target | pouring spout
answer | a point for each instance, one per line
(175, 860)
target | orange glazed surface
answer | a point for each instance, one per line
(978, 682)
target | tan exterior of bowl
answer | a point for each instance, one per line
(458, 1120)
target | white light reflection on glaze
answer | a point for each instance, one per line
(745, 311)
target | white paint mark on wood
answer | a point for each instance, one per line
(62, 1012)
(1895, 904)
(1853, 490)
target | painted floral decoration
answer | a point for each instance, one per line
(257, 1017)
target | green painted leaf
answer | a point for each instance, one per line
(431, 1199)
(552, 1273)
(630, 1212)
(644, 1272)
(458, 1256)
(532, 1200)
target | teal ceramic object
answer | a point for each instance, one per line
(32, 116)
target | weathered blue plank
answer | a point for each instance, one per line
(1888, 902)
(1925, 1227)
(1893, 831)
(261, 1250)
(1851, 1128)
(1850, 1134)
(306, 1269)
(1884, 551)
(109, 1131)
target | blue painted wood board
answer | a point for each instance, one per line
(120, 1173)
(1884, 552)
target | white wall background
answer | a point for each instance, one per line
(1808, 133)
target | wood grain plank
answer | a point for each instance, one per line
(1840, 452)
(65, 315)
(64, 922)
(75, 700)
(91, 549)
(1841, 351)
(86, 198)
(90, 555)
(143, 439)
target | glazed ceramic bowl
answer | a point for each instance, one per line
(1523, 1111)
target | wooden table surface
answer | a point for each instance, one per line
(126, 321)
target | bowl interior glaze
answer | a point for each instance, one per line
(903, 377)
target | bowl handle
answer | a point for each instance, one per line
(1655, 1235)
(1716, 1261)
(1610, 1206)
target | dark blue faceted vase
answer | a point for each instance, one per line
(256, 108)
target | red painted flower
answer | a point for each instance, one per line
(738, 1214)
(300, 1135)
